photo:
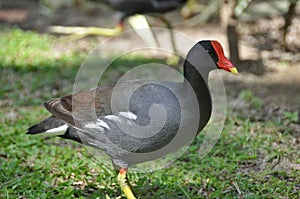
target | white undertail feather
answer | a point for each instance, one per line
(58, 130)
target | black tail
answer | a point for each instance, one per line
(48, 123)
(35, 129)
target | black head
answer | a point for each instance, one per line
(209, 49)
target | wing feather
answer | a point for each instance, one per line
(79, 106)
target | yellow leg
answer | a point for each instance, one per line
(191, 8)
(123, 182)
(142, 28)
(79, 32)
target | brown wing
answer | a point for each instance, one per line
(54, 106)
(82, 105)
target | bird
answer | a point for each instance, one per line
(132, 7)
(134, 10)
(71, 118)
(127, 8)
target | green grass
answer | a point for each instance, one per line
(250, 160)
(31, 51)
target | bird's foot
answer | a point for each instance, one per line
(123, 182)
(173, 60)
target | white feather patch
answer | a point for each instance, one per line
(57, 131)
(93, 126)
(113, 118)
(103, 124)
(99, 125)
(92, 143)
(128, 115)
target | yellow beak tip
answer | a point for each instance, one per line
(234, 71)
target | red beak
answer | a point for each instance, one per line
(225, 64)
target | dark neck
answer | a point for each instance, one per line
(195, 76)
(198, 80)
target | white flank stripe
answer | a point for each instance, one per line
(103, 124)
(113, 118)
(93, 126)
(91, 143)
(128, 115)
(58, 131)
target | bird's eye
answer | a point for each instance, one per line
(209, 52)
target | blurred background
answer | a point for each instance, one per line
(257, 155)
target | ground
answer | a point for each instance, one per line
(259, 46)
(257, 155)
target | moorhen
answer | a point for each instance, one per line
(72, 119)
(128, 8)
(132, 7)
